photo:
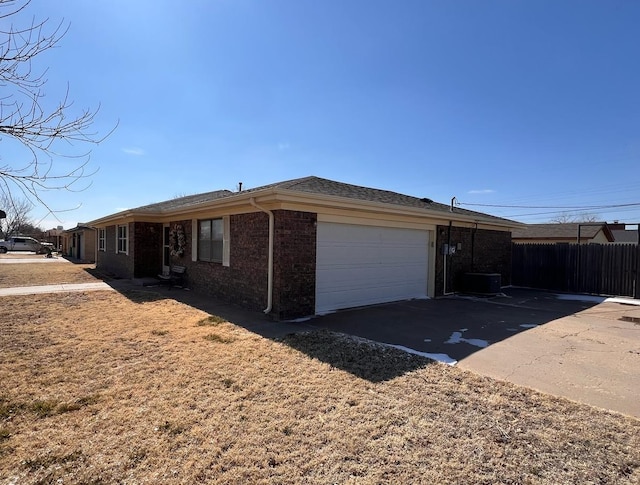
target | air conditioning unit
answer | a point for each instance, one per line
(485, 284)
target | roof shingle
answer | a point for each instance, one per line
(321, 186)
(184, 202)
(557, 231)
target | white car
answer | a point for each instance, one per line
(25, 243)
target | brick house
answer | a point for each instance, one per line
(306, 246)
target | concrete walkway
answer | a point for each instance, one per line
(63, 288)
(591, 357)
(12, 258)
(581, 347)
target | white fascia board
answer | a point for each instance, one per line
(273, 199)
(320, 200)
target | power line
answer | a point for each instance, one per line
(531, 214)
(573, 207)
(607, 191)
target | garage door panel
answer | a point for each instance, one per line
(356, 298)
(362, 265)
(378, 292)
(334, 255)
(370, 278)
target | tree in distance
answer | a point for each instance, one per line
(16, 218)
(568, 217)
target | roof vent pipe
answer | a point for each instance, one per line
(453, 201)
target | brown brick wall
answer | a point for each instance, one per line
(244, 281)
(118, 265)
(294, 256)
(483, 251)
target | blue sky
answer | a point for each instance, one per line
(526, 103)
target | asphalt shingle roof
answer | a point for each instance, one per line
(556, 231)
(184, 202)
(321, 186)
(625, 236)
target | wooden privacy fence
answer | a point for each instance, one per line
(602, 269)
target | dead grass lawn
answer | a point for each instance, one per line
(109, 388)
(44, 274)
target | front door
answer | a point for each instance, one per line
(166, 249)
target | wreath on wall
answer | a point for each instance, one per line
(177, 240)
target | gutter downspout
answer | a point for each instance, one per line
(270, 260)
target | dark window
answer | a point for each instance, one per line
(210, 240)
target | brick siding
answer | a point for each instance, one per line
(294, 268)
(112, 263)
(244, 281)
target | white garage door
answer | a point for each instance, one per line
(362, 265)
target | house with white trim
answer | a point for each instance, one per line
(306, 246)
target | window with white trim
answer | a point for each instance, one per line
(210, 240)
(123, 239)
(102, 240)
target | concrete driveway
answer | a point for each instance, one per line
(582, 348)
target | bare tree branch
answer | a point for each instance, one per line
(25, 118)
(569, 217)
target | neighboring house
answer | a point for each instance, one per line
(80, 243)
(624, 233)
(54, 236)
(592, 232)
(306, 246)
(625, 236)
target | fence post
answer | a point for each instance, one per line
(578, 284)
(637, 285)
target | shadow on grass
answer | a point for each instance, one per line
(454, 328)
(141, 296)
(96, 273)
(135, 293)
(74, 260)
(364, 359)
(359, 357)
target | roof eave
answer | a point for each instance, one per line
(276, 195)
(362, 204)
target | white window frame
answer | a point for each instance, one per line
(226, 240)
(102, 239)
(120, 239)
